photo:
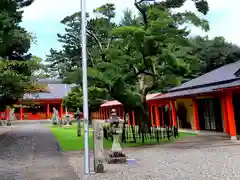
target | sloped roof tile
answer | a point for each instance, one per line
(206, 89)
(117, 103)
(152, 96)
(221, 74)
(56, 90)
(111, 103)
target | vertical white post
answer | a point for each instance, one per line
(84, 82)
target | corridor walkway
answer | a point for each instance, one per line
(30, 152)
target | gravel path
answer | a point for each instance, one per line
(196, 158)
(30, 152)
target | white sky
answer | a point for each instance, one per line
(223, 15)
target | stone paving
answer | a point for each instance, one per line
(196, 158)
(30, 152)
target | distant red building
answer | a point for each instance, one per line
(39, 105)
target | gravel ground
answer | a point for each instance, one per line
(30, 152)
(198, 158)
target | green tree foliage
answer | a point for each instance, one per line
(132, 58)
(14, 83)
(16, 65)
(211, 54)
(96, 96)
(13, 38)
(152, 51)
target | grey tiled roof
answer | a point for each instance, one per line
(206, 89)
(56, 90)
(41, 95)
(223, 73)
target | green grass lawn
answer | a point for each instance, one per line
(68, 139)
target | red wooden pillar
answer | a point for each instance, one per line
(170, 114)
(163, 124)
(7, 113)
(21, 112)
(133, 117)
(129, 122)
(151, 115)
(105, 113)
(157, 116)
(224, 113)
(174, 113)
(48, 111)
(231, 116)
(61, 111)
(195, 115)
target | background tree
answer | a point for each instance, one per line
(211, 54)
(145, 57)
(96, 96)
(134, 59)
(16, 65)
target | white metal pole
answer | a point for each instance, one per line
(85, 88)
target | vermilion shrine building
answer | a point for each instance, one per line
(39, 105)
(210, 102)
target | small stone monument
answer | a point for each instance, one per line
(2, 120)
(98, 146)
(11, 117)
(78, 120)
(55, 117)
(116, 155)
(67, 119)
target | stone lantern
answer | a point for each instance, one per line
(116, 155)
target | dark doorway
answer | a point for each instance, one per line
(182, 116)
(160, 116)
(236, 105)
(210, 116)
(166, 115)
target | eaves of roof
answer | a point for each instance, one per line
(200, 90)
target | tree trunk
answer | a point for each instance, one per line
(142, 120)
(142, 111)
